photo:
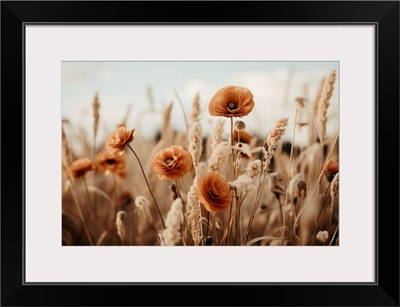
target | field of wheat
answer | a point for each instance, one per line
(188, 188)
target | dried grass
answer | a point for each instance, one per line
(260, 176)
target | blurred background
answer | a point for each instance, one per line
(141, 91)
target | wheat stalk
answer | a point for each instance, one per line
(300, 102)
(67, 154)
(183, 109)
(323, 105)
(334, 196)
(194, 214)
(195, 142)
(119, 222)
(314, 109)
(171, 234)
(96, 116)
(216, 136)
(271, 141)
(166, 121)
(218, 157)
(195, 109)
(127, 112)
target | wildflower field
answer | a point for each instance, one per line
(227, 187)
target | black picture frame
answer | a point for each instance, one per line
(383, 14)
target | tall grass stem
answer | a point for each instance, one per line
(148, 186)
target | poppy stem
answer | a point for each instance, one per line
(233, 151)
(177, 190)
(232, 224)
(148, 186)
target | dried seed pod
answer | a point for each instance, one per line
(240, 125)
(300, 101)
(297, 188)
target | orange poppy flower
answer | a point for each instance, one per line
(331, 169)
(108, 164)
(231, 101)
(118, 139)
(213, 192)
(80, 167)
(244, 137)
(172, 163)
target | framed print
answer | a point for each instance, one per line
(200, 155)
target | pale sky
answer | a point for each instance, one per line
(121, 85)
